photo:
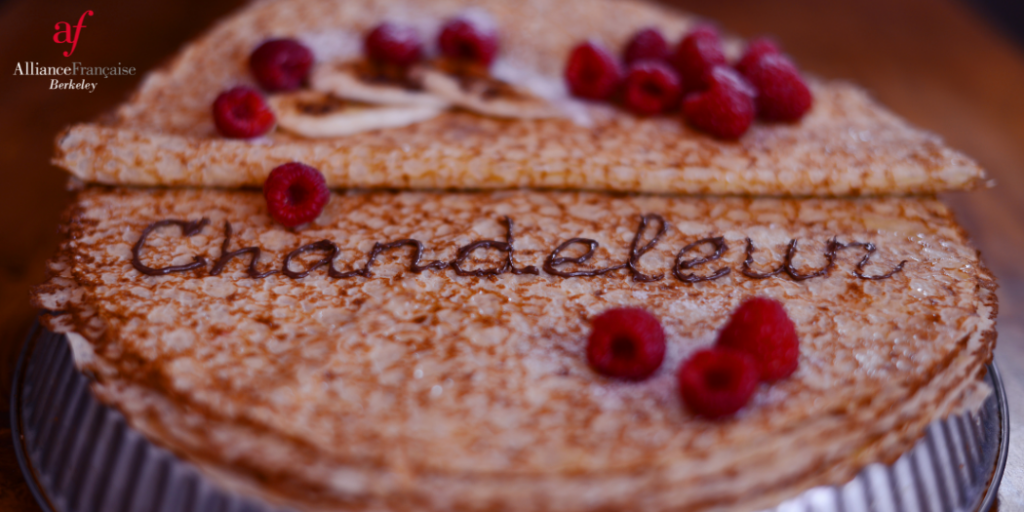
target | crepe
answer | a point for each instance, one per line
(164, 135)
(401, 388)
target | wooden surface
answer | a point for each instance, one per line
(932, 61)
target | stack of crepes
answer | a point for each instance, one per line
(438, 373)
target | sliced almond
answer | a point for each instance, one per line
(475, 89)
(317, 114)
(362, 81)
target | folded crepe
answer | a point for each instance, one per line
(426, 351)
(164, 135)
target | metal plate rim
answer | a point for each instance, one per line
(20, 452)
(992, 492)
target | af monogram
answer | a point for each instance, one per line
(66, 32)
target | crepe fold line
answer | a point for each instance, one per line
(434, 391)
(164, 135)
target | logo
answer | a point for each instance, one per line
(66, 32)
(68, 73)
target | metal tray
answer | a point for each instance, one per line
(80, 456)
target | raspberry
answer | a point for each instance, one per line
(241, 113)
(782, 94)
(627, 343)
(651, 88)
(754, 51)
(592, 72)
(761, 328)
(465, 40)
(393, 44)
(647, 44)
(726, 108)
(295, 193)
(281, 64)
(696, 55)
(717, 382)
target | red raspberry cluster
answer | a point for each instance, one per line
(277, 65)
(757, 344)
(654, 78)
(284, 65)
(464, 39)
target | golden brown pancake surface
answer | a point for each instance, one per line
(433, 391)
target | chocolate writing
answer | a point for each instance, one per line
(869, 249)
(830, 258)
(378, 248)
(720, 247)
(328, 259)
(750, 260)
(506, 266)
(187, 229)
(555, 260)
(635, 253)
(555, 264)
(226, 257)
